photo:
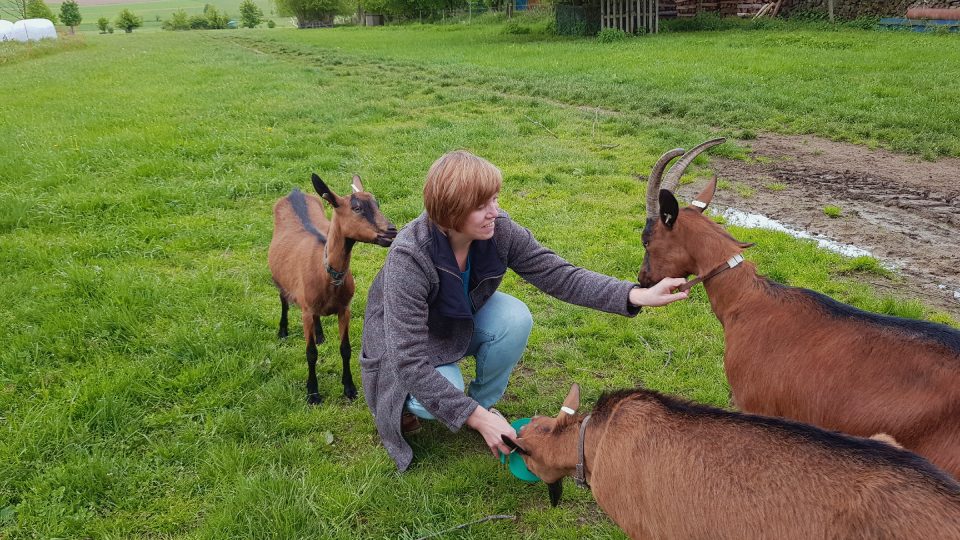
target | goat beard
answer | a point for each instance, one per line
(556, 490)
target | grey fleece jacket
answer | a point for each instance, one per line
(406, 335)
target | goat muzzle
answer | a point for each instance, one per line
(386, 238)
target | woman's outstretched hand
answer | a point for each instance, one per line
(660, 294)
(491, 426)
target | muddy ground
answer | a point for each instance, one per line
(904, 211)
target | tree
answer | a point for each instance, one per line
(314, 10)
(250, 14)
(37, 9)
(102, 24)
(128, 21)
(70, 14)
(14, 9)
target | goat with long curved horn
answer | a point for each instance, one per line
(672, 180)
(653, 182)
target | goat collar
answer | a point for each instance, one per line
(336, 277)
(580, 474)
(732, 262)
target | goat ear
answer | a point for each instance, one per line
(703, 199)
(745, 245)
(569, 409)
(669, 208)
(513, 445)
(323, 190)
(357, 185)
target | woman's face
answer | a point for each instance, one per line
(479, 223)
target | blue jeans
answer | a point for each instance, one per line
(500, 332)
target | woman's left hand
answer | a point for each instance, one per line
(658, 295)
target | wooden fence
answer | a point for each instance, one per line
(631, 16)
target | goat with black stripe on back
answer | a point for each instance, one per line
(666, 468)
(309, 259)
(799, 354)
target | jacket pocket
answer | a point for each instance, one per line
(370, 378)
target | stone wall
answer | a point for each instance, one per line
(851, 9)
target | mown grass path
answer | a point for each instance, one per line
(142, 390)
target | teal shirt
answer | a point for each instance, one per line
(465, 277)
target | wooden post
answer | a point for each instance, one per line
(830, 9)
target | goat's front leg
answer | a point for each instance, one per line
(313, 393)
(349, 389)
(318, 331)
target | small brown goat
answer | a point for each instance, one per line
(310, 261)
(662, 467)
(799, 354)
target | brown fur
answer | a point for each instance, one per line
(666, 468)
(792, 353)
(297, 263)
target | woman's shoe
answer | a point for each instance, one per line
(409, 423)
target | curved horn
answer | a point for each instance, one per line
(653, 182)
(672, 180)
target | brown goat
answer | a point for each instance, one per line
(310, 261)
(799, 354)
(662, 467)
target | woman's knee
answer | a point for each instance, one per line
(508, 316)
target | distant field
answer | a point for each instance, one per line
(155, 12)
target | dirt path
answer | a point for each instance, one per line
(906, 212)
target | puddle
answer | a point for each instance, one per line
(760, 221)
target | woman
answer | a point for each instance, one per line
(435, 301)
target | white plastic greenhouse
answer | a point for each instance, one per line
(28, 30)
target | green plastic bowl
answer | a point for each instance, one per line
(516, 464)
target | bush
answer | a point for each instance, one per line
(198, 22)
(128, 21)
(611, 35)
(103, 23)
(215, 20)
(177, 21)
(314, 10)
(271, 24)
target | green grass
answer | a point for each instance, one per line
(142, 390)
(832, 211)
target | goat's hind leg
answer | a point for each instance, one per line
(313, 392)
(349, 389)
(283, 331)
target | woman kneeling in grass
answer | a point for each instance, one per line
(435, 301)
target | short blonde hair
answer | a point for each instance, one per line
(457, 184)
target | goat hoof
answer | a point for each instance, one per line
(314, 399)
(350, 392)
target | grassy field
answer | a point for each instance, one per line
(142, 391)
(154, 12)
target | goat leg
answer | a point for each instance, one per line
(318, 331)
(349, 389)
(284, 308)
(313, 392)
